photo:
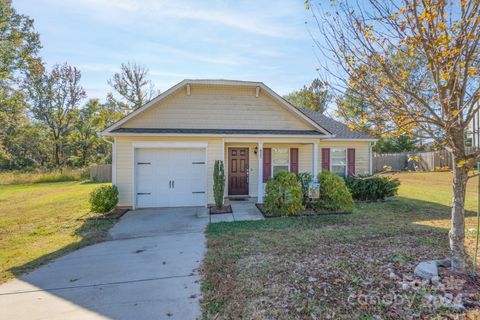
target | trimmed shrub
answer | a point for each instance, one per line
(304, 178)
(218, 183)
(103, 199)
(370, 188)
(334, 194)
(283, 195)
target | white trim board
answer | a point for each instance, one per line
(349, 140)
(221, 135)
(170, 144)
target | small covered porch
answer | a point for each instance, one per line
(250, 162)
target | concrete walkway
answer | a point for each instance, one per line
(148, 271)
(242, 211)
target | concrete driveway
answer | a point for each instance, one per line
(149, 270)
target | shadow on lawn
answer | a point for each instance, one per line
(376, 217)
(92, 231)
(427, 210)
(399, 232)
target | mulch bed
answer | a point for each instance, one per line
(224, 209)
(308, 212)
(116, 213)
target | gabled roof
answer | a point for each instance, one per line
(253, 84)
(338, 129)
(325, 126)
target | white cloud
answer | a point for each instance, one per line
(229, 59)
(98, 67)
(260, 18)
(242, 39)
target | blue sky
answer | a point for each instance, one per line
(247, 40)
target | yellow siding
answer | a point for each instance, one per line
(305, 152)
(124, 168)
(362, 149)
(218, 107)
(305, 158)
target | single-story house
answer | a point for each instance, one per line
(164, 152)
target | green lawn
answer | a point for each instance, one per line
(39, 222)
(324, 267)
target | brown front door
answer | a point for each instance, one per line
(238, 171)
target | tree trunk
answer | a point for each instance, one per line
(57, 153)
(457, 227)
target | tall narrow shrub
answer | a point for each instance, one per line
(218, 183)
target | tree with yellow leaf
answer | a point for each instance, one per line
(416, 65)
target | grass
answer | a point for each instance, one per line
(40, 222)
(41, 176)
(323, 267)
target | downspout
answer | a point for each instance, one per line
(114, 159)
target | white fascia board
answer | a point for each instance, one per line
(222, 135)
(353, 140)
(144, 107)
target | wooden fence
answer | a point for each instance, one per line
(428, 161)
(101, 173)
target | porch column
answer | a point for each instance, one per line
(260, 173)
(114, 162)
(225, 185)
(315, 161)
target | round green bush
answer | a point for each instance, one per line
(283, 195)
(103, 199)
(334, 194)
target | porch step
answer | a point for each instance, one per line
(239, 200)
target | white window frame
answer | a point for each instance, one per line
(345, 174)
(272, 165)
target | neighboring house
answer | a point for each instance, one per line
(164, 152)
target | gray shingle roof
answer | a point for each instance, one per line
(218, 131)
(340, 130)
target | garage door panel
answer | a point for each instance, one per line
(184, 168)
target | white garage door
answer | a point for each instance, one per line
(170, 177)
